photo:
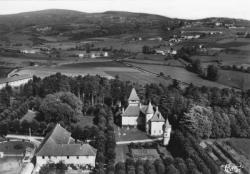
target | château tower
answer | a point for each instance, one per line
(166, 132)
(133, 99)
(149, 114)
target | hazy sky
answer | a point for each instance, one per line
(172, 8)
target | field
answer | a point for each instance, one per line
(139, 77)
(180, 74)
(4, 71)
(241, 145)
(234, 79)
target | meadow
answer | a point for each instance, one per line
(180, 74)
(241, 145)
(234, 79)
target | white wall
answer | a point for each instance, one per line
(129, 121)
(156, 128)
(15, 83)
(83, 160)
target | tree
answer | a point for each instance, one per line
(172, 170)
(196, 66)
(60, 107)
(197, 120)
(4, 126)
(212, 72)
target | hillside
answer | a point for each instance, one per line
(101, 24)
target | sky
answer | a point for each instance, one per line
(187, 9)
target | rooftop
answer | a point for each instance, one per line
(133, 95)
(132, 111)
(60, 143)
(15, 78)
(157, 117)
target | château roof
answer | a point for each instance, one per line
(150, 109)
(157, 117)
(167, 124)
(60, 143)
(133, 95)
(132, 111)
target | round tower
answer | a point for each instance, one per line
(166, 133)
(149, 114)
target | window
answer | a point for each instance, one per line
(67, 157)
(43, 157)
(49, 157)
(77, 157)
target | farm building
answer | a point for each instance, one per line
(138, 115)
(58, 146)
(15, 81)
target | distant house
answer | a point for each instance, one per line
(29, 51)
(155, 38)
(15, 81)
(93, 54)
(59, 146)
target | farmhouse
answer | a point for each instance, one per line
(58, 146)
(138, 115)
(15, 81)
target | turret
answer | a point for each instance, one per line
(149, 114)
(166, 132)
(133, 98)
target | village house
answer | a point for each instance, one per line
(92, 54)
(59, 146)
(30, 51)
(138, 115)
(15, 81)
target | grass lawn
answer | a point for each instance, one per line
(124, 134)
(14, 147)
(10, 165)
(241, 145)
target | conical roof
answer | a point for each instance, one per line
(150, 109)
(133, 95)
(157, 117)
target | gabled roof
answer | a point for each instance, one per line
(150, 109)
(60, 143)
(133, 95)
(157, 117)
(131, 111)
